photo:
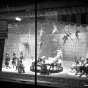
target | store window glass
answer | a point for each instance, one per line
(61, 47)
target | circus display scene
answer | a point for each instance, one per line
(61, 49)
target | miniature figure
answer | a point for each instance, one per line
(14, 60)
(7, 60)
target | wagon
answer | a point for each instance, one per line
(46, 68)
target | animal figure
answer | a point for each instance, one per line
(55, 62)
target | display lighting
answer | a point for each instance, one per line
(18, 19)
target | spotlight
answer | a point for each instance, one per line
(18, 19)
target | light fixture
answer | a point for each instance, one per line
(18, 19)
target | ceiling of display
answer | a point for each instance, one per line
(21, 3)
(12, 8)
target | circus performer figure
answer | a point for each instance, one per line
(7, 60)
(66, 36)
(77, 61)
(84, 68)
(77, 34)
(43, 66)
(14, 60)
(76, 65)
(20, 66)
(59, 57)
(21, 56)
(82, 61)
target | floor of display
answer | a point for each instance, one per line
(67, 71)
(26, 63)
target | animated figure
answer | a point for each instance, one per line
(86, 62)
(66, 36)
(77, 34)
(20, 67)
(14, 60)
(21, 56)
(44, 68)
(7, 60)
(84, 68)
